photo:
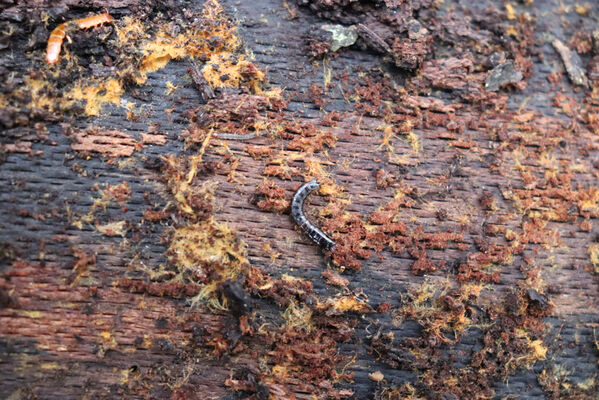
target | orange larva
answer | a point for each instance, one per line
(59, 33)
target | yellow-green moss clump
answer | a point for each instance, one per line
(210, 253)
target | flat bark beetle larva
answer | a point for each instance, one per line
(59, 33)
(233, 136)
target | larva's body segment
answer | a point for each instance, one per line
(60, 32)
(297, 212)
(55, 42)
(94, 20)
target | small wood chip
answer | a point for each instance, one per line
(376, 376)
(333, 278)
(109, 142)
(572, 63)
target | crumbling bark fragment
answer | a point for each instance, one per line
(572, 62)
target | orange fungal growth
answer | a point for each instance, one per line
(59, 33)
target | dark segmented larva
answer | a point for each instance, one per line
(297, 212)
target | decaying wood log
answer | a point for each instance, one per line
(144, 256)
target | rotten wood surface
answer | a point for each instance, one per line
(69, 335)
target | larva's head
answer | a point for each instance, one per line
(52, 53)
(51, 59)
(312, 185)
